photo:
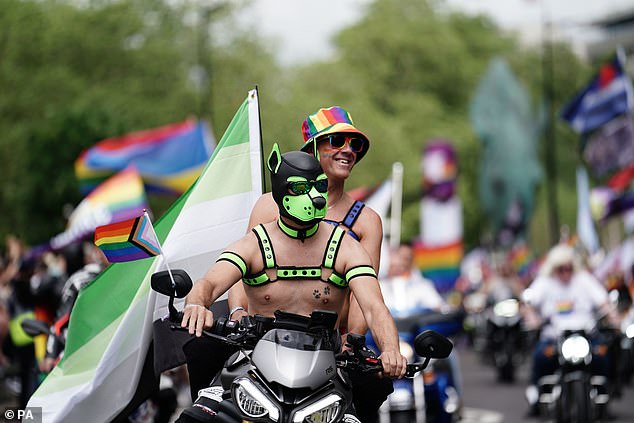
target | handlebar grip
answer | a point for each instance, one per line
(355, 340)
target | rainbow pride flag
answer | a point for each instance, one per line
(132, 239)
(521, 259)
(168, 158)
(120, 197)
(440, 264)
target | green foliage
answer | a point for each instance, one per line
(71, 76)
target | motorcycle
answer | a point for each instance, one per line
(475, 322)
(622, 345)
(573, 393)
(433, 395)
(505, 338)
(289, 368)
(626, 369)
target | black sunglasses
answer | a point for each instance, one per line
(338, 142)
(304, 187)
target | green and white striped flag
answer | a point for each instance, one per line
(111, 324)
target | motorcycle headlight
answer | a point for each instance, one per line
(326, 410)
(506, 308)
(406, 350)
(251, 401)
(629, 332)
(575, 349)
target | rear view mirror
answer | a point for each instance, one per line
(431, 344)
(162, 283)
(33, 327)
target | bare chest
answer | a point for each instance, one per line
(295, 296)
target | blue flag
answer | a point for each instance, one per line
(608, 95)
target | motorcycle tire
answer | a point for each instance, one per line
(574, 405)
(506, 372)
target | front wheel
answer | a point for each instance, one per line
(574, 405)
(506, 368)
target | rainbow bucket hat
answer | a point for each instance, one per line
(330, 121)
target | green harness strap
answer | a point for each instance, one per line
(330, 256)
(234, 259)
(268, 257)
(291, 272)
(266, 248)
(260, 279)
(357, 271)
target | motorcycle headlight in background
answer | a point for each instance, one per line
(629, 331)
(507, 308)
(575, 349)
(406, 350)
(251, 401)
(326, 410)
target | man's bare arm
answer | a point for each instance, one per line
(368, 294)
(372, 230)
(218, 279)
(264, 211)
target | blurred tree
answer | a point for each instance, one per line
(72, 75)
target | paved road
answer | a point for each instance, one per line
(487, 401)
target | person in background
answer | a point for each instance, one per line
(9, 269)
(563, 296)
(405, 289)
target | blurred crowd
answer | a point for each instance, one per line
(32, 287)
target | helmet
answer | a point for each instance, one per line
(299, 186)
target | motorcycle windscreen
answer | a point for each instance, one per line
(294, 359)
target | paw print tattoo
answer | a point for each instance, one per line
(316, 294)
(327, 290)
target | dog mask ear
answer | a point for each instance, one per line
(275, 159)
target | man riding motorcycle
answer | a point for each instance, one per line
(277, 263)
(564, 297)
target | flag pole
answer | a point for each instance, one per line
(169, 270)
(262, 167)
(396, 205)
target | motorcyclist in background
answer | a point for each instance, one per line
(564, 296)
(503, 283)
(406, 290)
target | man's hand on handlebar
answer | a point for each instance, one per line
(394, 364)
(197, 318)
